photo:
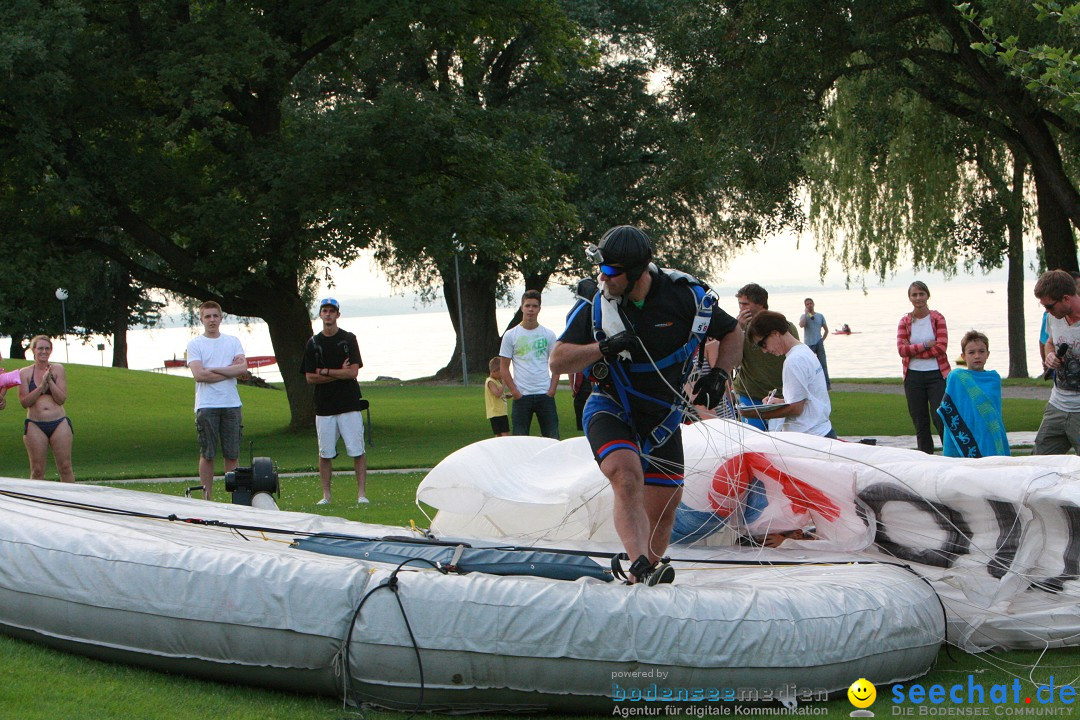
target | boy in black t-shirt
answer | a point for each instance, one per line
(331, 363)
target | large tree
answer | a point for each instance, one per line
(891, 178)
(760, 78)
(224, 150)
(595, 136)
(102, 297)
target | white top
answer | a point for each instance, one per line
(529, 350)
(805, 380)
(922, 332)
(212, 353)
(1066, 393)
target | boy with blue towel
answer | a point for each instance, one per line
(971, 408)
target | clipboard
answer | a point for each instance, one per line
(755, 409)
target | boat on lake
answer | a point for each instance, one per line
(255, 361)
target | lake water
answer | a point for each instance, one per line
(418, 344)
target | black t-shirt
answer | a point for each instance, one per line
(340, 396)
(663, 323)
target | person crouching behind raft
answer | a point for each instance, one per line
(638, 336)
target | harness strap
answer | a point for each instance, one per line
(618, 376)
(674, 358)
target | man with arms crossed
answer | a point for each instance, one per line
(1060, 426)
(638, 337)
(532, 384)
(216, 361)
(331, 363)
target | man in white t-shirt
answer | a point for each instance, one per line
(806, 405)
(1060, 426)
(531, 384)
(216, 361)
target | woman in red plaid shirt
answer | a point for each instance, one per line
(922, 341)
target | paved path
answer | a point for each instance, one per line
(194, 480)
(1031, 392)
(1016, 439)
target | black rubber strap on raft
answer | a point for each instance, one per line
(616, 566)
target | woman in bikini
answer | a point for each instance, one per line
(43, 392)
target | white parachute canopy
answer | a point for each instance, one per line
(999, 538)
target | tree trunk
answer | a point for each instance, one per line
(119, 335)
(1018, 367)
(1058, 198)
(1059, 243)
(289, 324)
(481, 333)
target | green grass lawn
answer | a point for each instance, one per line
(135, 424)
(131, 424)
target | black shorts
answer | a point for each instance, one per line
(500, 424)
(608, 429)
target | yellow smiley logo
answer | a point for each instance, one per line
(862, 693)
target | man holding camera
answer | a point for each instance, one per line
(1060, 426)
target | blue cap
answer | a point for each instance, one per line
(331, 302)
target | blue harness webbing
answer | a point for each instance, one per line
(619, 372)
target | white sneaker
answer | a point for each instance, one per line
(362, 500)
(324, 501)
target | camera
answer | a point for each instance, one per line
(1062, 351)
(1069, 373)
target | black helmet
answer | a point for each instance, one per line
(626, 245)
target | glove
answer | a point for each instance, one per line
(710, 388)
(612, 346)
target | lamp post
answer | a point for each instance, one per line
(62, 296)
(460, 317)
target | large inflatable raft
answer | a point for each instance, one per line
(305, 602)
(997, 537)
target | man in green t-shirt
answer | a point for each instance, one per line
(760, 373)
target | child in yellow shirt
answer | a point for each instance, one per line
(495, 395)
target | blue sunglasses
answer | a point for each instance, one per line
(611, 271)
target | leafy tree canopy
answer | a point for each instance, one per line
(224, 151)
(773, 83)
